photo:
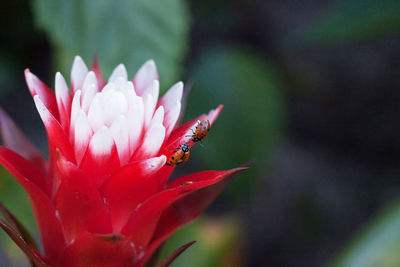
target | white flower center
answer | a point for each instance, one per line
(117, 111)
(125, 114)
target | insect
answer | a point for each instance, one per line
(201, 131)
(180, 156)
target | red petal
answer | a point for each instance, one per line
(147, 215)
(56, 135)
(190, 206)
(131, 185)
(57, 138)
(37, 87)
(49, 226)
(93, 250)
(99, 75)
(100, 167)
(79, 203)
(167, 262)
(163, 175)
(14, 139)
(29, 251)
(64, 116)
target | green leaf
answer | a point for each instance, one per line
(349, 21)
(119, 31)
(253, 116)
(377, 244)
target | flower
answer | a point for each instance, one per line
(103, 198)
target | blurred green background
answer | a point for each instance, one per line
(310, 92)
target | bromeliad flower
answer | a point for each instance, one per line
(103, 198)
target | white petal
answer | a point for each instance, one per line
(158, 117)
(62, 91)
(88, 95)
(135, 123)
(127, 88)
(118, 72)
(89, 80)
(130, 94)
(153, 89)
(154, 136)
(145, 75)
(32, 82)
(120, 83)
(171, 117)
(43, 111)
(95, 113)
(78, 73)
(107, 93)
(109, 87)
(101, 142)
(151, 165)
(83, 133)
(89, 89)
(149, 105)
(75, 108)
(119, 132)
(114, 106)
(172, 95)
(152, 141)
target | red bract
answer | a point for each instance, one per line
(103, 198)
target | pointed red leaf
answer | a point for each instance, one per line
(148, 213)
(99, 75)
(49, 226)
(167, 262)
(17, 225)
(190, 206)
(79, 203)
(129, 186)
(37, 87)
(203, 177)
(14, 139)
(29, 251)
(93, 250)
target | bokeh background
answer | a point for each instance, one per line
(311, 92)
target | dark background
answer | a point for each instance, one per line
(311, 92)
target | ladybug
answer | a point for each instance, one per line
(201, 131)
(180, 156)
